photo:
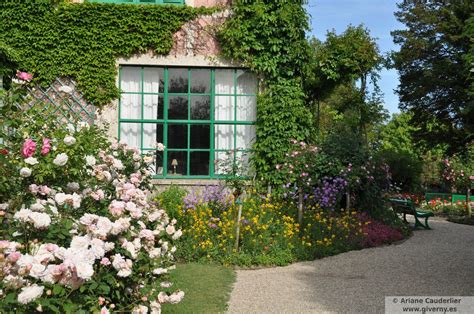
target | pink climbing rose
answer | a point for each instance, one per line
(25, 76)
(46, 146)
(28, 148)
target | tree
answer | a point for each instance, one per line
(341, 71)
(434, 64)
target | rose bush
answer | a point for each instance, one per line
(78, 233)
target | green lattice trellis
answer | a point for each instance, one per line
(63, 99)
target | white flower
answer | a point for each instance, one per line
(84, 270)
(22, 215)
(60, 198)
(30, 293)
(176, 297)
(159, 271)
(40, 220)
(140, 309)
(3, 206)
(90, 160)
(82, 125)
(160, 147)
(70, 128)
(66, 89)
(25, 172)
(148, 159)
(118, 164)
(177, 235)
(155, 307)
(69, 140)
(170, 229)
(80, 243)
(60, 159)
(31, 161)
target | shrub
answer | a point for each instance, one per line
(78, 234)
(171, 199)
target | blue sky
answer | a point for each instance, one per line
(376, 15)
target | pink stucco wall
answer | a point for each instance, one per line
(210, 3)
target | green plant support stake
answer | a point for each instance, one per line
(300, 206)
(237, 228)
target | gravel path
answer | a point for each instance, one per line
(432, 262)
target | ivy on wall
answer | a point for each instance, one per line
(83, 41)
(269, 37)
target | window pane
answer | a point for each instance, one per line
(224, 81)
(199, 163)
(222, 162)
(130, 134)
(177, 136)
(177, 163)
(200, 136)
(178, 108)
(246, 108)
(153, 107)
(200, 81)
(242, 159)
(152, 134)
(158, 169)
(246, 82)
(224, 108)
(131, 106)
(200, 107)
(178, 80)
(245, 136)
(130, 79)
(224, 136)
(153, 80)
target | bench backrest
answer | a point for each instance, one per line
(403, 206)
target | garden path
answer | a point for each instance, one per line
(432, 262)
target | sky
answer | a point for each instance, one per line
(376, 15)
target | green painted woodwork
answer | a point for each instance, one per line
(166, 121)
(406, 207)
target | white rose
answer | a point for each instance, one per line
(30, 293)
(60, 159)
(84, 270)
(148, 159)
(70, 127)
(31, 161)
(40, 220)
(25, 172)
(69, 140)
(73, 186)
(90, 160)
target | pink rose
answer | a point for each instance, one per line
(46, 146)
(105, 261)
(29, 148)
(14, 256)
(24, 76)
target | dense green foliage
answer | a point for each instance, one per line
(282, 116)
(269, 38)
(435, 67)
(83, 41)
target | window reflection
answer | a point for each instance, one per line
(177, 80)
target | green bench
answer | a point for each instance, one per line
(406, 207)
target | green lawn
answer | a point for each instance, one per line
(207, 288)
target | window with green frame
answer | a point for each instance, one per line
(201, 115)
(140, 1)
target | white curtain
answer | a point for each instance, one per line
(246, 108)
(245, 136)
(246, 83)
(224, 81)
(224, 136)
(130, 134)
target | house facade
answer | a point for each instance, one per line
(201, 107)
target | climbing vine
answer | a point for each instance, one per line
(269, 37)
(83, 41)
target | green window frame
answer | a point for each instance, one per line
(181, 2)
(168, 120)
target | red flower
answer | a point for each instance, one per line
(4, 151)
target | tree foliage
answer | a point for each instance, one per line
(434, 64)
